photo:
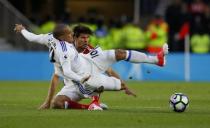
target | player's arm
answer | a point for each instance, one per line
(111, 72)
(42, 38)
(67, 70)
(51, 91)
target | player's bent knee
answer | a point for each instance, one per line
(120, 54)
(58, 103)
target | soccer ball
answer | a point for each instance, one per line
(179, 102)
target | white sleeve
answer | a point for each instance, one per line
(67, 71)
(42, 38)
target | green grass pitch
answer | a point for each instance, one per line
(150, 109)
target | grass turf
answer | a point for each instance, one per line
(19, 102)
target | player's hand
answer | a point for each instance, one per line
(84, 79)
(127, 90)
(45, 105)
(18, 28)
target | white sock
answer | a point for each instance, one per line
(139, 57)
(66, 105)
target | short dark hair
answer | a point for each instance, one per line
(81, 29)
(59, 30)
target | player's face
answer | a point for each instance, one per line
(82, 41)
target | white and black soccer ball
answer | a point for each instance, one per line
(179, 102)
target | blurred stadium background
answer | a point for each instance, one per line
(142, 25)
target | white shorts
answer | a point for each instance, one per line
(76, 92)
(71, 92)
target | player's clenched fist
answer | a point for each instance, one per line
(18, 27)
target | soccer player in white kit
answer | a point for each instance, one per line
(107, 57)
(102, 60)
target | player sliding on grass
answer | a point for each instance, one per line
(94, 63)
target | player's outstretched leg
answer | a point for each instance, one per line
(139, 57)
(63, 102)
